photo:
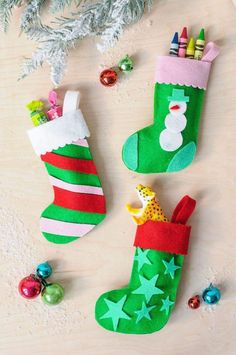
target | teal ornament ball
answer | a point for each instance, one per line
(44, 270)
(126, 64)
(52, 294)
(211, 295)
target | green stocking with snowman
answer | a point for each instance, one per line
(169, 144)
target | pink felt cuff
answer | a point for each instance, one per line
(184, 71)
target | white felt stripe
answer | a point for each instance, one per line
(64, 228)
(59, 132)
(84, 189)
(81, 143)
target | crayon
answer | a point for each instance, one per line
(199, 46)
(190, 49)
(174, 47)
(183, 43)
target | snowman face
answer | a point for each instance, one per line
(177, 107)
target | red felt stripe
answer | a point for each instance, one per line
(68, 163)
(163, 236)
(79, 201)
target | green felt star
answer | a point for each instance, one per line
(148, 288)
(115, 311)
(166, 304)
(142, 258)
(171, 267)
(144, 312)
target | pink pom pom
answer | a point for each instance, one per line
(55, 110)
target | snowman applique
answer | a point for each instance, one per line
(175, 122)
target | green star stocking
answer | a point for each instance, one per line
(145, 305)
(169, 144)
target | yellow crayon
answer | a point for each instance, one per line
(190, 49)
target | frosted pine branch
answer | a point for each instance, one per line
(105, 18)
(31, 14)
(59, 5)
(6, 7)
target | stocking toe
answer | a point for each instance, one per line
(130, 152)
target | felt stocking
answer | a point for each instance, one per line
(79, 203)
(145, 305)
(169, 144)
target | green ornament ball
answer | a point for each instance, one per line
(52, 294)
(126, 64)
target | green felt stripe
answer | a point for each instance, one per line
(74, 151)
(73, 177)
(58, 239)
(63, 214)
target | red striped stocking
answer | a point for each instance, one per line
(79, 202)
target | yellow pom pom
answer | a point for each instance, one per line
(35, 105)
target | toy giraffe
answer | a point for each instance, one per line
(150, 210)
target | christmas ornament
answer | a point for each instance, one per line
(44, 270)
(79, 202)
(169, 144)
(211, 295)
(55, 110)
(30, 286)
(194, 302)
(52, 294)
(145, 304)
(108, 77)
(126, 64)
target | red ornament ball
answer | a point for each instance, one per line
(108, 77)
(30, 286)
(194, 302)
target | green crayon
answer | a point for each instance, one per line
(199, 46)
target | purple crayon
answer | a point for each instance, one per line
(183, 40)
(174, 47)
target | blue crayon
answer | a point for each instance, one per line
(174, 48)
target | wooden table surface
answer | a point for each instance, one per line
(103, 259)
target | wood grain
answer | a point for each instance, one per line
(103, 260)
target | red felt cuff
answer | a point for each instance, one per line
(171, 237)
(163, 236)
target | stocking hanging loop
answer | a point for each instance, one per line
(183, 210)
(211, 52)
(71, 101)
